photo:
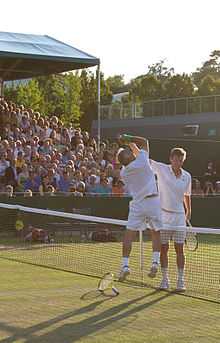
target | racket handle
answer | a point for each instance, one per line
(115, 290)
(189, 223)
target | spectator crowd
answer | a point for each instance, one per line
(208, 183)
(40, 154)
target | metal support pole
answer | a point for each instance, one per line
(99, 108)
(1, 86)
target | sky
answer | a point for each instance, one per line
(127, 35)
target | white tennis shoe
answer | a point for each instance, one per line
(165, 284)
(180, 287)
(125, 271)
(154, 269)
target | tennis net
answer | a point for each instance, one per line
(92, 246)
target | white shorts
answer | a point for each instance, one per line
(145, 214)
(173, 219)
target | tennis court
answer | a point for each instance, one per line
(72, 249)
(44, 305)
(41, 304)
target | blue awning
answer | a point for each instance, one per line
(27, 55)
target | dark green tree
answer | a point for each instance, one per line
(146, 88)
(178, 86)
(72, 88)
(29, 94)
(116, 83)
(211, 67)
(160, 70)
(89, 94)
(52, 88)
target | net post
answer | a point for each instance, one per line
(141, 247)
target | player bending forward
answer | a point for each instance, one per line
(175, 191)
(144, 209)
(37, 235)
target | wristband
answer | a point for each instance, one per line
(127, 137)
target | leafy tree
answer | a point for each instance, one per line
(89, 94)
(209, 86)
(52, 88)
(30, 95)
(72, 89)
(146, 88)
(211, 67)
(160, 70)
(10, 91)
(116, 83)
(178, 86)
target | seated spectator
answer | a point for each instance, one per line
(4, 164)
(91, 186)
(11, 175)
(209, 188)
(78, 176)
(32, 182)
(52, 178)
(103, 188)
(46, 147)
(117, 187)
(72, 190)
(18, 147)
(22, 177)
(81, 188)
(217, 187)
(44, 185)
(64, 182)
(27, 153)
(196, 188)
(28, 193)
(50, 190)
(209, 179)
(19, 161)
(9, 191)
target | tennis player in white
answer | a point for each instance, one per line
(144, 209)
(174, 185)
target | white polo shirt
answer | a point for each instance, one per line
(171, 188)
(139, 177)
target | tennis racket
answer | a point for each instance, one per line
(106, 283)
(191, 238)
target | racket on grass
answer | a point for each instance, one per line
(191, 238)
(105, 288)
(107, 283)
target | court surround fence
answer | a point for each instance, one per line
(161, 107)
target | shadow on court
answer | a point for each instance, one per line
(69, 333)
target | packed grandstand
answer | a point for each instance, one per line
(41, 155)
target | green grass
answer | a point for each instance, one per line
(202, 267)
(44, 305)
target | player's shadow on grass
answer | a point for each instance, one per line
(69, 333)
(28, 333)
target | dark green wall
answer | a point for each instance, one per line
(206, 211)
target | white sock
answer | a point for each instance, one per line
(164, 272)
(156, 257)
(125, 261)
(180, 273)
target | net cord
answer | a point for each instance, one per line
(103, 220)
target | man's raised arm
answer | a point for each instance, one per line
(135, 143)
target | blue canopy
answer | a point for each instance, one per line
(26, 55)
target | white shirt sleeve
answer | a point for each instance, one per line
(141, 158)
(156, 166)
(189, 186)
